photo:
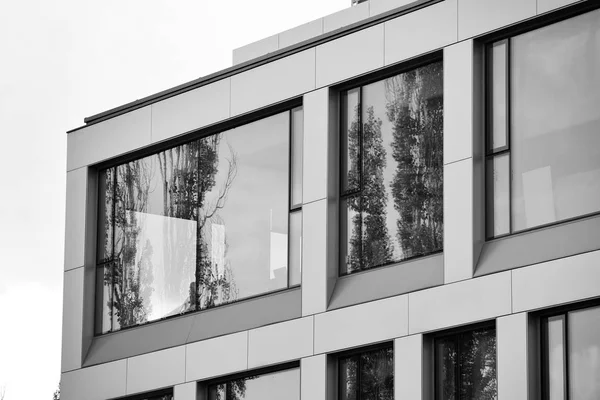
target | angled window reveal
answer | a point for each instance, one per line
(284, 384)
(392, 169)
(367, 375)
(201, 224)
(543, 145)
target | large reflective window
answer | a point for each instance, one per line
(392, 169)
(367, 376)
(197, 225)
(465, 366)
(571, 369)
(554, 89)
(273, 386)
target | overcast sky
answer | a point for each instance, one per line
(61, 61)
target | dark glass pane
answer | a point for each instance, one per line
(277, 385)
(105, 215)
(478, 365)
(377, 375)
(403, 166)
(556, 358)
(350, 139)
(584, 354)
(498, 56)
(555, 144)
(351, 231)
(103, 298)
(155, 238)
(244, 211)
(295, 248)
(297, 150)
(445, 369)
(348, 378)
(498, 195)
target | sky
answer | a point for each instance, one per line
(61, 61)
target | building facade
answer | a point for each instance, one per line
(397, 201)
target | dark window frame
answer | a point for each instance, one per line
(488, 41)
(455, 334)
(542, 317)
(151, 395)
(357, 352)
(288, 106)
(341, 90)
(207, 385)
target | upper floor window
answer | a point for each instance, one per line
(543, 142)
(367, 375)
(284, 384)
(465, 365)
(571, 353)
(392, 169)
(205, 223)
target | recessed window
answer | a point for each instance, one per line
(276, 385)
(571, 354)
(465, 365)
(392, 169)
(367, 375)
(543, 144)
(209, 222)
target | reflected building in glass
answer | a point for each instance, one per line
(400, 200)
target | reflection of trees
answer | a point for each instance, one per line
(185, 175)
(369, 375)
(474, 355)
(370, 242)
(415, 107)
(232, 390)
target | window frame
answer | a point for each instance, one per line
(542, 317)
(206, 385)
(455, 333)
(506, 34)
(151, 395)
(356, 352)
(288, 106)
(341, 90)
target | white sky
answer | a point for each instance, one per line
(61, 61)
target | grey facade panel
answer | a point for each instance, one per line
(248, 314)
(534, 247)
(389, 281)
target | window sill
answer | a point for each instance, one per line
(534, 247)
(388, 281)
(230, 318)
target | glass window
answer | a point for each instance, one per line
(465, 365)
(572, 355)
(199, 225)
(367, 375)
(276, 385)
(550, 79)
(392, 169)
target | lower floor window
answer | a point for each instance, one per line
(465, 365)
(571, 352)
(367, 375)
(283, 384)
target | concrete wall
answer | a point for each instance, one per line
(327, 317)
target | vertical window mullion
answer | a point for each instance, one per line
(509, 130)
(566, 356)
(360, 175)
(113, 248)
(458, 370)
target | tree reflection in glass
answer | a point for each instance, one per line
(283, 384)
(466, 366)
(195, 226)
(368, 375)
(392, 169)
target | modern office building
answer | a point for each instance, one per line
(397, 201)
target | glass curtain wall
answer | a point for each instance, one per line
(202, 224)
